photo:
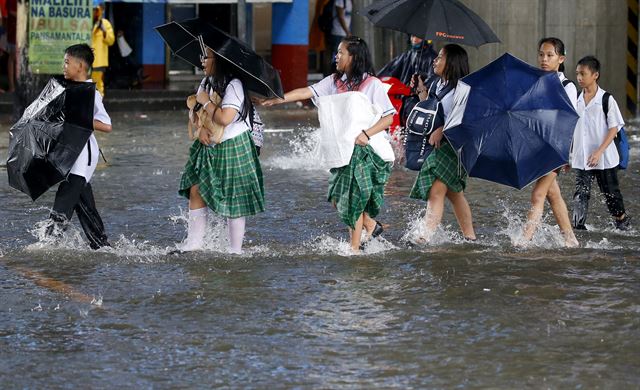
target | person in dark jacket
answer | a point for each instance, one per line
(418, 59)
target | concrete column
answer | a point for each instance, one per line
(290, 42)
(153, 48)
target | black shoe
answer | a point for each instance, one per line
(580, 227)
(624, 224)
(378, 230)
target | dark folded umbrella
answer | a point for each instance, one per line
(50, 135)
(438, 20)
(256, 73)
(511, 123)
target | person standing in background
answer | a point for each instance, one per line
(101, 38)
(340, 28)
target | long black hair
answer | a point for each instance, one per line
(457, 64)
(218, 82)
(361, 63)
(558, 45)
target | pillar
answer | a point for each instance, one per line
(290, 42)
(153, 50)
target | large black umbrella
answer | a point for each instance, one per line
(184, 39)
(438, 20)
(50, 135)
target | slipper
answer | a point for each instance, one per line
(378, 230)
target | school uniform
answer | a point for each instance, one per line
(442, 163)
(591, 130)
(358, 187)
(76, 194)
(228, 175)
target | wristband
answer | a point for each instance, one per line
(366, 135)
(206, 104)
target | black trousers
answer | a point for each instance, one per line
(609, 187)
(75, 194)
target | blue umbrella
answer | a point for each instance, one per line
(511, 123)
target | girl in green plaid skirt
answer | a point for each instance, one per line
(226, 177)
(355, 189)
(442, 175)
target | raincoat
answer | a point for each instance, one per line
(101, 42)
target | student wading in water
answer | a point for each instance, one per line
(551, 56)
(224, 177)
(367, 173)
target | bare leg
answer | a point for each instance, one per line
(538, 195)
(195, 200)
(559, 208)
(368, 224)
(463, 213)
(356, 233)
(435, 208)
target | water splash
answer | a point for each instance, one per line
(603, 244)
(416, 233)
(67, 237)
(546, 236)
(302, 153)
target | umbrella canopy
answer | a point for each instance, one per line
(185, 39)
(511, 123)
(50, 135)
(438, 20)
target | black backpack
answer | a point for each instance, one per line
(425, 117)
(325, 20)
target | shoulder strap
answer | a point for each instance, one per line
(605, 107)
(566, 82)
(434, 86)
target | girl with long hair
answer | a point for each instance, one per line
(224, 177)
(442, 175)
(551, 56)
(367, 173)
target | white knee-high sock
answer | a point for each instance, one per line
(196, 228)
(236, 234)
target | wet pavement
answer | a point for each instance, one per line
(297, 310)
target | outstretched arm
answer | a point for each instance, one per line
(291, 96)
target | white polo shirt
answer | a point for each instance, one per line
(336, 28)
(592, 129)
(234, 98)
(82, 167)
(373, 88)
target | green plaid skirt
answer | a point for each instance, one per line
(441, 164)
(229, 176)
(359, 187)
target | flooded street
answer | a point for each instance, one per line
(297, 310)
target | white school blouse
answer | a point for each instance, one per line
(592, 129)
(234, 98)
(373, 89)
(571, 90)
(82, 167)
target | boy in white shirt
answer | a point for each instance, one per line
(594, 153)
(75, 192)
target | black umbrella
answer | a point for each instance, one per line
(438, 20)
(50, 135)
(183, 38)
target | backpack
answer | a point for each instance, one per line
(425, 117)
(325, 20)
(621, 141)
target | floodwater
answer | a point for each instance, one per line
(296, 310)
